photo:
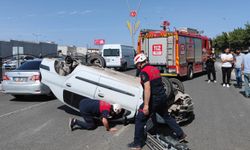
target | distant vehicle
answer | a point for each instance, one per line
(27, 58)
(25, 80)
(182, 52)
(9, 66)
(118, 56)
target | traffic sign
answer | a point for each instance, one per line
(99, 41)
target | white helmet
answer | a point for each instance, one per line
(139, 58)
(117, 108)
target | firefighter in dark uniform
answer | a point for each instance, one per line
(155, 101)
(91, 109)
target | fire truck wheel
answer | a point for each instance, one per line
(169, 89)
(177, 84)
(96, 60)
(190, 73)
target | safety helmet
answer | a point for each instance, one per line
(117, 108)
(139, 58)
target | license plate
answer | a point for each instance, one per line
(20, 79)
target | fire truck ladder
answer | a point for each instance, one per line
(170, 51)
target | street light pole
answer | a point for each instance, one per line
(134, 24)
(36, 35)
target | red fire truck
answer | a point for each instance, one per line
(182, 52)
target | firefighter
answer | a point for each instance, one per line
(91, 109)
(138, 70)
(155, 101)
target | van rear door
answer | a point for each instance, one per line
(112, 57)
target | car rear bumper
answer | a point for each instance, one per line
(29, 89)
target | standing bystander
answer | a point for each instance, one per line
(237, 67)
(226, 59)
(246, 72)
(210, 67)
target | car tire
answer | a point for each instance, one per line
(190, 72)
(168, 87)
(96, 60)
(124, 67)
(177, 84)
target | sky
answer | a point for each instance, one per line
(80, 22)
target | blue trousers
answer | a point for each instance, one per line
(88, 121)
(238, 76)
(246, 82)
(141, 120)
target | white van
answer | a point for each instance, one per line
(118, 56)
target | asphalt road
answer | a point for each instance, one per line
(222, 121)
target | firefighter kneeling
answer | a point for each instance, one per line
(90, 109)
(155, 101)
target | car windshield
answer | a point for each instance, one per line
(111, 52)
(30, 65)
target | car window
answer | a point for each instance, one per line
(30, 65)
(111, 52)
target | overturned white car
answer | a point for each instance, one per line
(71, 85)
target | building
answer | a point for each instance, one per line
(81, 50)
(14, 47)
(11, 50)
(73, 50)
(67, 50)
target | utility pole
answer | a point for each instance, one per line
(133, 23)
(36, 35)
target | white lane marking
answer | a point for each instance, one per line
(32, 131)
(121, 130)
(23, 109)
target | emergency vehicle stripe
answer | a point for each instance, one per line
(104, 86)
(177, 55)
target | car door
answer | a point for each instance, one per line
(115, 90)
(80, 84)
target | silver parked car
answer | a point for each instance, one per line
(25, 80)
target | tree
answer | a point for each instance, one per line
(221, 42)
(247, 36)
(237, 39)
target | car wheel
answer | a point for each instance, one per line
(169, 90)
(18, 96)
(124, 67)
(96, 60)
(190, 73)
(177, 84)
